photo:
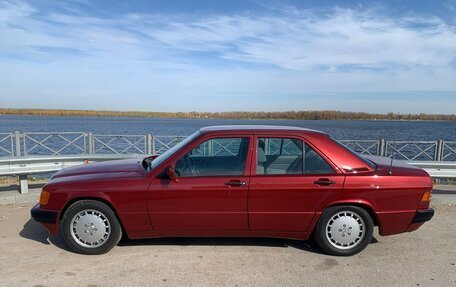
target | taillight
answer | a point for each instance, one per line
(44, 197)
(426, 196)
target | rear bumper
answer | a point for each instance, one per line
(43, 215)
(423, 215)
(403, 221)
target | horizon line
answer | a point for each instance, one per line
(289, 114)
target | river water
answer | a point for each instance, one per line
(339, 129)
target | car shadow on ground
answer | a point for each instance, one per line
(308, 245)
(32, 230)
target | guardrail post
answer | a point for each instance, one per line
(438, 155)
(210, 148)
(154, 147)
(149, 140)
(381, 147)
(23, 182)
(90, 142)
(17, 140)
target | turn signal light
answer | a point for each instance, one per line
(44, 197)
(426, 196)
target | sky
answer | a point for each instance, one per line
(213, 55)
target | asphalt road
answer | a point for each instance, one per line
(426, 257)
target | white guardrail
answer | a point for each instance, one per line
(23, 166)
(437, 169)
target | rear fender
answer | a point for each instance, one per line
(367, 205)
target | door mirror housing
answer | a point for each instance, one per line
(171, 173)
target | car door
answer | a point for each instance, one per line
(210, 191)
(289, 180)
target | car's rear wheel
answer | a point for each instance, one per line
(90, 227)
(344, 230)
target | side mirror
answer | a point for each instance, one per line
(171, 173)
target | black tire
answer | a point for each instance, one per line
(103, 215)
(330, 228)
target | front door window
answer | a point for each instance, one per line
(215, 157)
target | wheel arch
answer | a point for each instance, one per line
(359, 203)
(320, 231)
(366, 206)
(94, 198)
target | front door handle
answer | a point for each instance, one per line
(324, 181)
(235, 182)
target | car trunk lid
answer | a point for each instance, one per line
(395, 166)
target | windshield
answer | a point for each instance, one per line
(164, 156)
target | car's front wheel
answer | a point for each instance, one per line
(90, 227)
(344, 230)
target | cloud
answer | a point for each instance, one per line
(306, 41)
(285, 52)
(288, 40)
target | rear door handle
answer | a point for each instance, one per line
(235, 182)
(324, 181)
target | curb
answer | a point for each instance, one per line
(443, 199)
(17, 198)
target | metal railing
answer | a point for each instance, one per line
(448, 151)
(53, 143)
(38, 152)
(72, 143)
(406, 150)
(118, 144)
(160, 144)
(6, 144)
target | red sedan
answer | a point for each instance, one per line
(255, 181)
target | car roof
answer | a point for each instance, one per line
(256, 128)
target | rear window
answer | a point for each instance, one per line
(359, 156)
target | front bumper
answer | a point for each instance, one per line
(43, 215)
(423, 215)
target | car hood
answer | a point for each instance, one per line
(126, 166)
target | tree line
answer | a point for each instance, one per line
(286, 115)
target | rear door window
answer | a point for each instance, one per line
(288, 156)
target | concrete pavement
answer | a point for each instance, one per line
(28, 257)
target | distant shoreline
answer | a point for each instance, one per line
(287, 115)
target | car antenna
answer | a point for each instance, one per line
(390, 171)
